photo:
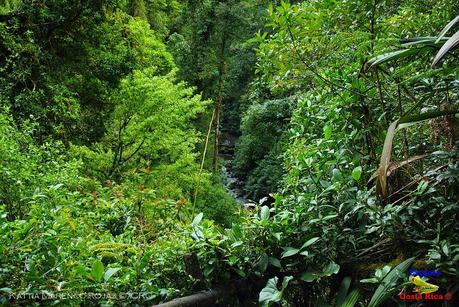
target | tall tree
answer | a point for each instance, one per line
(212, 52)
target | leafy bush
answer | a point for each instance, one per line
(27, 167)
(217, 205)
(258, 152)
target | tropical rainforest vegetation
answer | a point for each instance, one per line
(339, 120)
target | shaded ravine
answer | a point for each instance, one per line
(233, 185)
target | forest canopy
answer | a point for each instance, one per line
(229, 153)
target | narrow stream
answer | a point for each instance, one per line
(233, 185)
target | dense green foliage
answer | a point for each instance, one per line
(258, 157)
(113, 114)
(98, 152)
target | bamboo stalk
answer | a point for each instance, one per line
(203, 159)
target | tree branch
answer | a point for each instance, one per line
(135, 151)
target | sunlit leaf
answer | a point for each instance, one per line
(110, 272)
(447, 28)
(197, 219)
(270, 293)
(290, 251)
(390, 56)
(381, 181)
(357, 173)
(264, 213)
(328, 132)
(310, 242)
(330, 269)
(450, 44)
(97, 271)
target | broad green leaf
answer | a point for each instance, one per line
(197, 219)
(237, 244)
(386, 269)
(426, 40)
(285, 282)
(310, 242)
(450, 44)
(445, 249)
(328, 130)
(275, 262)
(390, 56)
(110, 272)
(329, 217)
(262, 263)
(381, 179)
(336, 173)
(330, 269)
(6, 290)
(270, 294)
(447, 28)
(236, 230)
(232, 260)
(290, 251)
(97, 271)
(343, 289)
(351, 299)
(357, 173)
(412, 119)
(372, 280)
(309, 276)
(264, 213)
(270, 9)
(144, 260)
(56, 187)
(381, 273)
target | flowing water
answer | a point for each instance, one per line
(233, 185)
